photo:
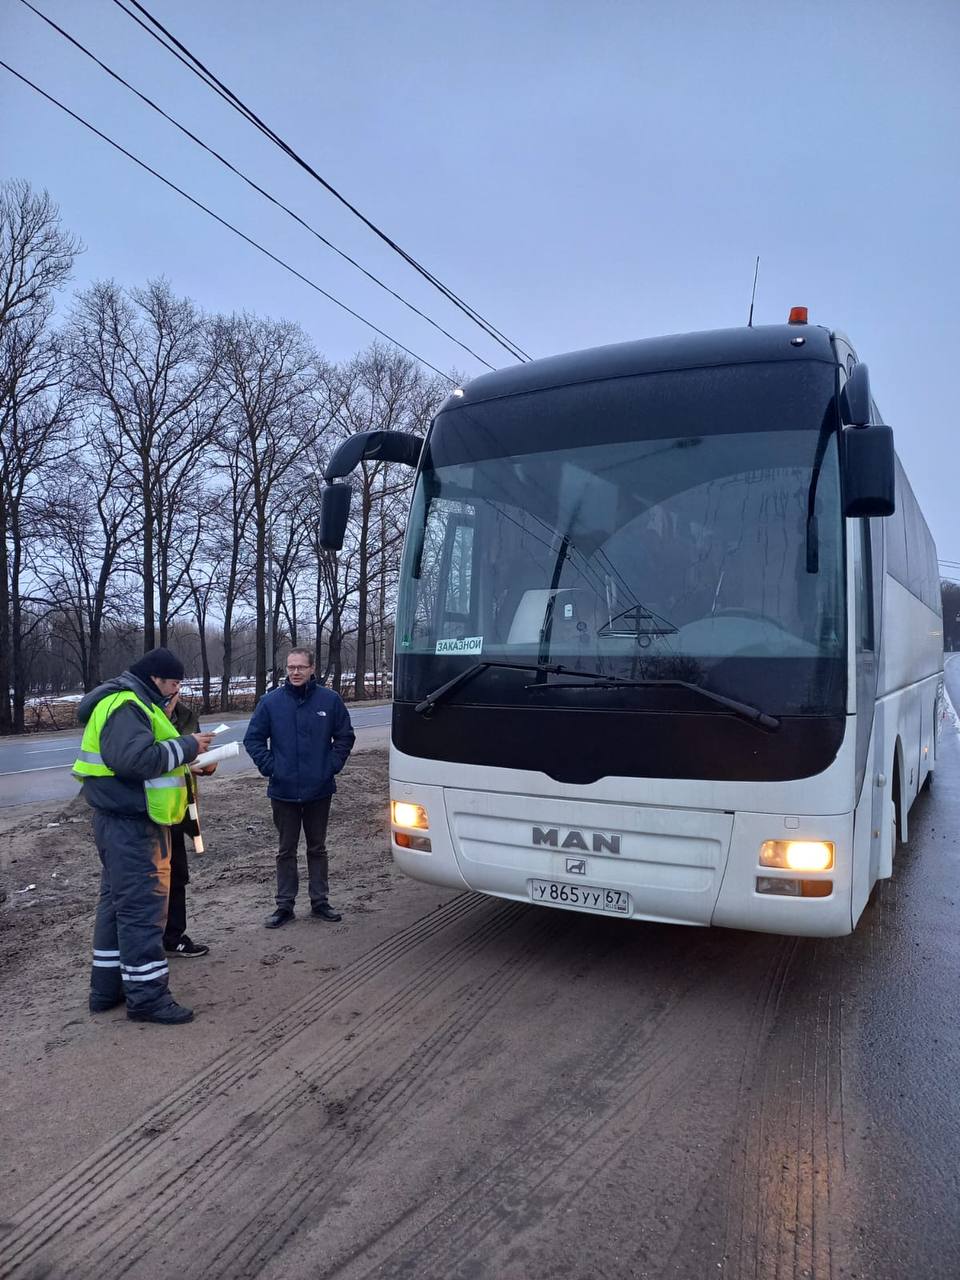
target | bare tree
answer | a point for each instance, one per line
(145, 359)
(36, 413)
(294, 576)
(35, 433)
(269, 374)
(230, 562)
(36, 254)
(92, 522)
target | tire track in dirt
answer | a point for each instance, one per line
(76, 1195)
(644, 1072)
(220, 1167)
(218, 1157)
(686, 1256)
(787, 1146)
(640, 1073)
(765, 1006)
(298, 1215)
(510, 1194)
(734, 1195)
(373, 1112)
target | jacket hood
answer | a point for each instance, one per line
(145, 692)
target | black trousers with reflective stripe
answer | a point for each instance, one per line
(128, 957)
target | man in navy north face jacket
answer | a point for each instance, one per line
(300, 737)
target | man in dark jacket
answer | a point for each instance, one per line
(133, 765)
(300, 737)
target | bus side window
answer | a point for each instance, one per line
(863, 559)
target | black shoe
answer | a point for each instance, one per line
(101, 1004)
(168, 1014)
(324, 911)
(186, 948)
(282, 915)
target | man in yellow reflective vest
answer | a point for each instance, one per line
(133, 766)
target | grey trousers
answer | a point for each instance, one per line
(128, 957)
(289, 819)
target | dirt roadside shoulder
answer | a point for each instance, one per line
(70, 1079)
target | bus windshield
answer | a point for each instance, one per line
(677, 526)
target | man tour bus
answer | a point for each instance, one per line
(668, 639)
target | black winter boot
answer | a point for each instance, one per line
(168, 1013)
(100, 1003)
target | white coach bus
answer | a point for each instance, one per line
(669, 642)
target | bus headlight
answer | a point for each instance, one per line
(409, 815)
(797, 855)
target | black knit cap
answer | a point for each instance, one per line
(160, 663)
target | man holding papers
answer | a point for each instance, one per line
(134, 765)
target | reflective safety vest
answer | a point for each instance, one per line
(166, 795)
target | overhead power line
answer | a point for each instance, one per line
(224, 223)
(198, 68)
(250, 182)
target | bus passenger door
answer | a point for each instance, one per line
(868, 570)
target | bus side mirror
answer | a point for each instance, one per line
(869, 471)
(384, 446)
(334, 512)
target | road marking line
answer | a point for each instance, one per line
(37, 768)
(39, 751)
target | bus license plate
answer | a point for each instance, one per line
(585, 897)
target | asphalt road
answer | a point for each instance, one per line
(497, 1091)
(34, 768)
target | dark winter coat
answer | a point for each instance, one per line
(128, 748)
(300, 739)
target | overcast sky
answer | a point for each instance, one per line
(580, 173)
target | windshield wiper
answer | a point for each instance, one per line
(547, 668)
(597, 680)
(602, 681)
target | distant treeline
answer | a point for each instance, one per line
(160, 472)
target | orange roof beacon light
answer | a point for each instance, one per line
(798, 315)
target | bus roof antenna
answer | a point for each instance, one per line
(753, 295)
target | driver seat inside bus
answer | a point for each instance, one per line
(576, 619)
